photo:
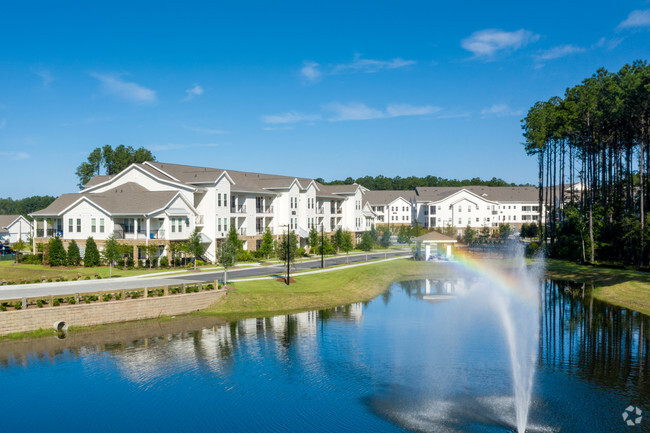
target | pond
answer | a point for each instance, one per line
(416, 358)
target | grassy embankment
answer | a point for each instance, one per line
(623, 287)
(317, 291)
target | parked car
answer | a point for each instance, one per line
(4, 250)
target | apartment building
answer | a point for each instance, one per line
(160, 203)
(392, 208)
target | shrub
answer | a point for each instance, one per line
(71, 301)
(209, 286)
(164, 262)
(107, 297)
(300, 252)
(31, 259)
(3, 308)
(91, 256)
(56, 302)
(56, 254)
(532, 249)
(118, 296)
(18, 305)
(49, 280)
(245, 256)
(40, 303)
(74, 257)
(87, 277)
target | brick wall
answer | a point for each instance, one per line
(106, 312)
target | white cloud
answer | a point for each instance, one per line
(205, 130)
(3, 123)
(45, 75)
(609, 44)
(500, 110)
(487, 43)
(15, 156)
(193, 91)
(360, 111)
(638, 18)
(455, 115)
(279, 128)
(558, 52)
(310, 71)
(176, 146)
(128, 91)
(370, 66)
(290, 117)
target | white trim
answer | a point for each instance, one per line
(141, 170)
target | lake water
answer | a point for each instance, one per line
(412, 359)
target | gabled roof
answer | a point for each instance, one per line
(127, 199)
(339, 189)
(516, 194)
(387, 197)
(434, 237)
(7, 220)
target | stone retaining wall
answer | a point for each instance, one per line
(106, 312)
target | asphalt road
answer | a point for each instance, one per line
(45, 290)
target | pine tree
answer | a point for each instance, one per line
(74, 257)
(56, 252)
(266, 246)
(91, 255)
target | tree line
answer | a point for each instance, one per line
(25, 206)
(106, 160)
(382, 183)
(595, 137)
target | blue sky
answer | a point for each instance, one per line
(316, 89)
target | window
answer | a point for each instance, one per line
(460, 208)
(93, 225)
(78, 225)
(225, 224)
(476, 219)
(101, 225)
(70, 225)
(225, 200)
(460, 221)
(180, 224)
(219, 225)
(469, 208)
(173, 225)
(219, 199)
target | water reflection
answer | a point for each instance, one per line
(392, 364)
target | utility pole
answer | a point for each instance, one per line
(322, 246)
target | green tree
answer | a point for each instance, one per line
(367, 242)
(74, 257)
(504, 231)
(113, 161)
(385, 239)
(266, 246)
(112, 252)
(313, 239)
(346, 244)
(337, 240)
(56, 252)
(233, 237)
(151, 251)
(374, 236)
(324, 246)
(289, 243)
(89, 168)
(469, 236)
(91, 255)
(194, 245)
(226, 256)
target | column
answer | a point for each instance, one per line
(148, 230)
(135, 256)
(427, 251)
(34, 235)
(44, 227)
(135, 228)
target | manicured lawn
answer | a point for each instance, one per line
(19, 272)
(623, 287)
(317, 291)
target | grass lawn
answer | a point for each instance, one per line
(317, 291)
(21, 271)
(623, 287)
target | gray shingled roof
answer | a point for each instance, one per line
(5, 220)
(386, 197)
(434, 236)
(339, 189)
(492, 193)
(129, 198)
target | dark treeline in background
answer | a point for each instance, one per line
(383, 183)
(595, 136)
(8, 206)
(111, 160)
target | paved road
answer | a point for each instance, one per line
(87, 286)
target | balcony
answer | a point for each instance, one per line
(260, 230)
(242, 231)
(118, 234)
(261, 209)
(238, 209)
(320, 211)
(49, 233)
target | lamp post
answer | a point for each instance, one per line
(322, 246)
(288, 256)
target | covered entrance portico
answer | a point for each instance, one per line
(434, 246)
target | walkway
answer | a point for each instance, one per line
(45, 290)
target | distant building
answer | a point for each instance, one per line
(14, 227)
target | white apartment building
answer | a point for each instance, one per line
(14, 228)
(475, 206)
(160, 203)
(392, 208)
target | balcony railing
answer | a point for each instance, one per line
(49, 233)
(320, 211)
(334, 210)
(261, 209)
(242, 231)
(118, 234)
(238, 209)
(260, 230)
(157, 234)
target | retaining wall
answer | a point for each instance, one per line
(106, 312)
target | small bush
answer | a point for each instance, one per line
(209, 286)
(245, 256)
(49, 280)
(300, 252)
(3, 308)
(107, 297)
(87, 277)
(18, 305)
(164, 262)
(56, 302)
(40, 303)
(71, 301)
(118, 296)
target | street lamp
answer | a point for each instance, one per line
(288, 256)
